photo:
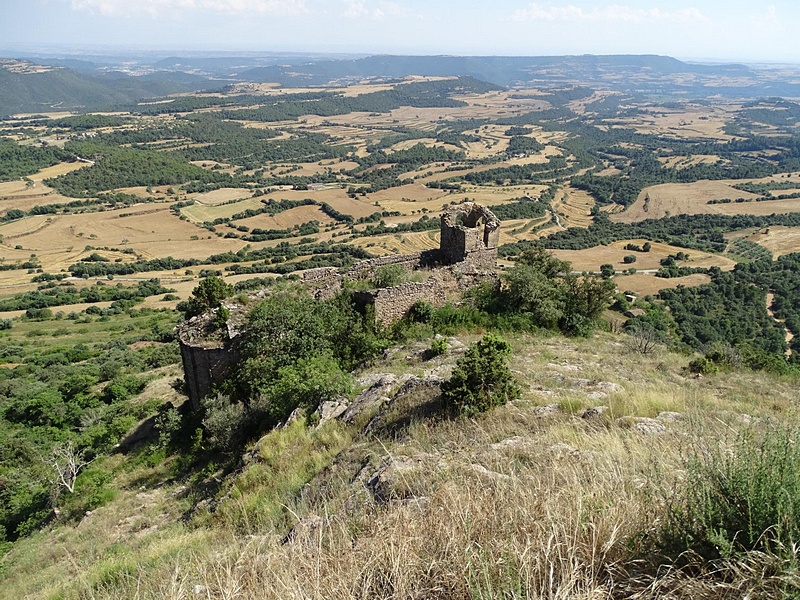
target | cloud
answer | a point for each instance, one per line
(364, 9)
(770, 17)
(614, 12)
(157, 8)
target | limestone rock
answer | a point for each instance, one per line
(547, 410)
(516, 443)
(376, 394)
(331, 409)
(669, 416)
(593, 413)
(487, 474)
(396, 478)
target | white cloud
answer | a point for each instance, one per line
(614, 12)
(365, 9)
(156, 8)
(770, 17)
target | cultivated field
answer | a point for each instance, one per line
(592, 258)
(659, 201)
(573, 207)
(778, 240)
(645, 284)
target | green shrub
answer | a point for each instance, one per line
(703, 365)
(438, 347)
(389, 275)
(481, 378)
(740, 499)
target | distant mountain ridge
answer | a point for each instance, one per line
(76, 85)
(501, 70)
(62, 88)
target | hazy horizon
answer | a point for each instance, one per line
(700, 31)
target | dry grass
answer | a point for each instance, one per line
(659, 201)
(592, 258)
(518, 503)
(778, 240)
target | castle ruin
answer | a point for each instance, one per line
(466, 257)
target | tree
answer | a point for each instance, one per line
(544, 287)
(208, 294)
(481, 378)
(67, 462)
(629, 259)
(607, 271)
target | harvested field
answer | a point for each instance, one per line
(778, 240)
(57, 170)
(644, 283)
(222, 195)
(288, 218)
(200, 213)
(659, 201)
(24, 196)
(405, 243)
(692, 122)
(591, 258)
(574, 207)
(356, 207)
(406, 198)
(152, 231)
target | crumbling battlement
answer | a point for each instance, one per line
(469, 233)
(466, 257)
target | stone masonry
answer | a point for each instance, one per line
(466, 257)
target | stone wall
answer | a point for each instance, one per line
(366, 269)
(466, 257)
(392, 304)
(203, 367)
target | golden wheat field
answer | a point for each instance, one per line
(659, 201)
(592, 258)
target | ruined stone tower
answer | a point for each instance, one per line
(466, 257)
(470, 233)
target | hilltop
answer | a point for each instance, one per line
(562, 493)
(640, 219)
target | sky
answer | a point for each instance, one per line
(709, 30)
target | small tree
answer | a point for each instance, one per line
(67, 462)
(389, 276)
(481, 378)
(208, 294)
(629, 259)
(607, 271)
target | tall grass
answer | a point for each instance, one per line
(741, 498)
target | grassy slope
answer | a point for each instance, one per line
(521, 502)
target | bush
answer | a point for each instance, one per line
(481, 378)
(703, 365)
(438, 347)
(745, 498)
(389, 275)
